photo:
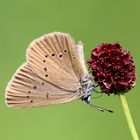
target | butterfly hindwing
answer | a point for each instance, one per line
(28, 90)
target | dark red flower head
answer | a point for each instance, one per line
(113, 68)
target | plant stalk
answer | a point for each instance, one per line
(128, 117)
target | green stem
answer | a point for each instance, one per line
(128, 117)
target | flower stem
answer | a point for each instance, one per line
(128, 117)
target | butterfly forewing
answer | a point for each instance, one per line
(50, 76)
(53, 58)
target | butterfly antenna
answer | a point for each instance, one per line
(100, 108)
(97, 96)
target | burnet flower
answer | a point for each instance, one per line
(112, 68)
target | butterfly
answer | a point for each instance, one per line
(54, 73)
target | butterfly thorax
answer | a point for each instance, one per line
(87, 88)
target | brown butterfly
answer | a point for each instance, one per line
(53, 73)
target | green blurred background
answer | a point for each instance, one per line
(93, 22)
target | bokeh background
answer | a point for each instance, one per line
(93, 22)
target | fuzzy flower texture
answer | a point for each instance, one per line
(112, 68)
